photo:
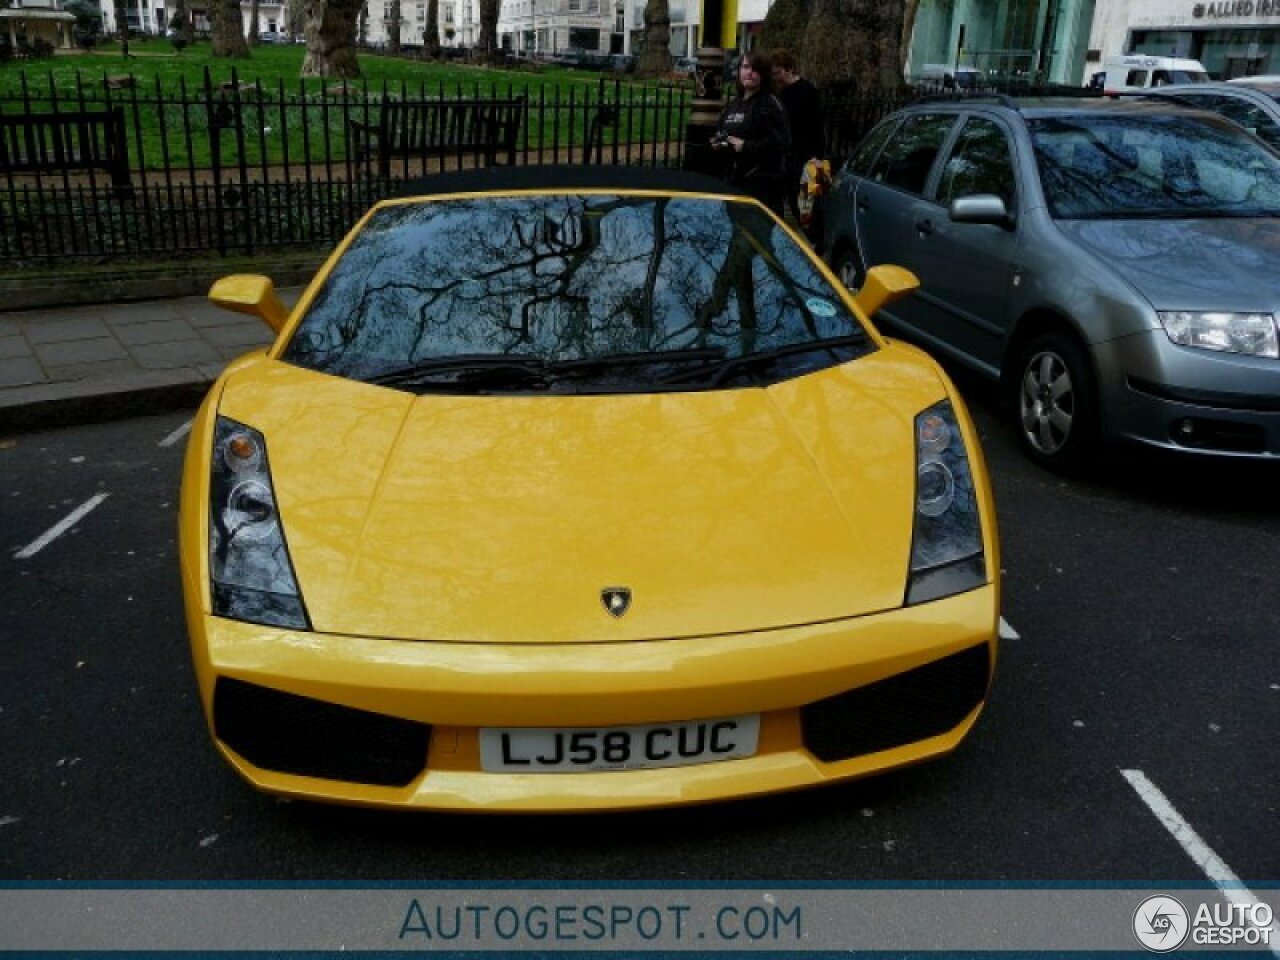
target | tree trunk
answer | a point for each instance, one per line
(254, 29)
(228, 30)
(393, 28)
(431, 35)
(854, 42)
(489, 29)
(655, 58)
(180, 20)
(784, 26)
(331, 39)
(122, 25)
(908, 28)
(362, 31)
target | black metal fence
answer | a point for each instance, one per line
(106, 172)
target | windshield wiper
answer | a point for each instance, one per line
(470, 367)
(720, 371)
(614, 360)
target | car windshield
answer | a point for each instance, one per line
(1107, 167)
(574, 293)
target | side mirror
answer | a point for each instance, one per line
(252, 294)
(981, 208)
(884, 284)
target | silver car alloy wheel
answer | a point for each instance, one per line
(1048, 402)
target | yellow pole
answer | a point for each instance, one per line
(718, 32)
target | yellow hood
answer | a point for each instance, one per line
(501, 519)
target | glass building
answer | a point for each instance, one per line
(1042, 41)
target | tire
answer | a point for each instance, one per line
(847, 265)
(1056, 401)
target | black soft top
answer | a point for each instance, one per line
(566, 177)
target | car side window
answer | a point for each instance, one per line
(907, 159)
(979, 163)
(1253, 118)
(1136, 78)
(869, 149)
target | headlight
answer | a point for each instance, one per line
(946, 543)
(1253, 334)
(248, 561)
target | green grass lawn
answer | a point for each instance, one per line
(169, 113)
(153, 61)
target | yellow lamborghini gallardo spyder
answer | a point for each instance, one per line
(582, 489)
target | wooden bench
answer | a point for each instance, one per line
(65, 142)
(438, 129)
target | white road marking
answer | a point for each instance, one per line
(58, 529)
(1007, 632)
(177, 435)
(1212, 865)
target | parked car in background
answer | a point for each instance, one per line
(1252, 102)
(1140, 71)
(684, 65)
(1111, 262)
(582, 488)
(270, 36)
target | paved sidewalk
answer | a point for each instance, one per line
(64, 365)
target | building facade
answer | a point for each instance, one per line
(25, 22)
(1232, 38)
(1039, 41)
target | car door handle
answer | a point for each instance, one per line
(924, 226)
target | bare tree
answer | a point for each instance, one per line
(854, 42)
(655, 58)
(331, 38)
(393, 27)
(784, 25)
(489, 10)
(180, 20)
(122, 25)
(295, 16)
(228, 29)
(908, 28)
(431, 35)
(254, 27)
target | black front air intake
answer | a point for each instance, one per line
(915, 705)
(291, 734)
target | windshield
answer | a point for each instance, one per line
(1105, 167)
(545, 283)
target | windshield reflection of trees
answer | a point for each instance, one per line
(1166, 166)
(564, 277)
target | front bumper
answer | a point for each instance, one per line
(1159, 394)
(837, 700)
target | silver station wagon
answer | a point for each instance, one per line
(1115, 264)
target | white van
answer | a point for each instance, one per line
(1138, 71)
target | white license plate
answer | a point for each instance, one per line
(575, 750)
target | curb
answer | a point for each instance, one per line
(48, 406)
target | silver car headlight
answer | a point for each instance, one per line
(946, 543)
(1253, 334)
(252, 575)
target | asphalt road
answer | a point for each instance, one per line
(1143, 599)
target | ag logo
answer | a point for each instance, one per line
(617, 600)
(1161, 923)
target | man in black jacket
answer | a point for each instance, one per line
(803, 105)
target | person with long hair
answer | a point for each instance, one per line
(752, 134)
